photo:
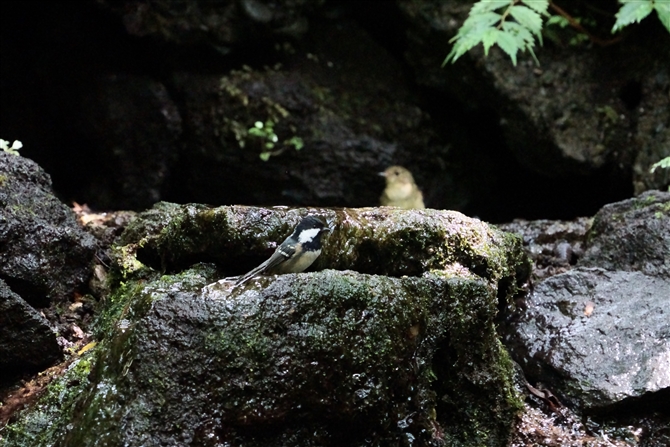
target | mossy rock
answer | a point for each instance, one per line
(402, 352)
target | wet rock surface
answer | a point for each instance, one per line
(553, 246)
(381, 241)
(330, 357)
(597, 337)
(27, 341)
(595, 330)
(301, 359)
(44, 254)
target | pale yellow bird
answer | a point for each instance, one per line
(401, 191)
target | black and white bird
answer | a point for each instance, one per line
(296, 253)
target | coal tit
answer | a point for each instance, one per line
(296, 253)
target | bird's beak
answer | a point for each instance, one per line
(381, 174)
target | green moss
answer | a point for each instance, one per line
(47, 420)
(375, 325)
(415, 339)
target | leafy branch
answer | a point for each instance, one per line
(633, 11)
(514, 24)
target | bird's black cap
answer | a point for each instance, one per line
(309, 222)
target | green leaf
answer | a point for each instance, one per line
(488, 5)
(663, 163)
(471, 34)
(265, 156)
(558, 20)
(527, 17)
(296, 142)
(487, 27)
(523, 37)
(532, 53)
(540, 6)
(489, 39)
(663, 11)
(477, 24)
(632, 11)
(509, 45)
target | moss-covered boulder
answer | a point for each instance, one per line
(393, 343)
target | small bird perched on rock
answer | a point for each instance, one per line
(296, 253)
(401, 191)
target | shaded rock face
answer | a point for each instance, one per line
(176, 125)
(149, 118)
(406, 353)
(553, 246)
(44, 254)
(578, 111)
(226, 23)
(27, 342)
(137, 127)
(597, 335)
(633, 235)
(336, 121)
(584, 118)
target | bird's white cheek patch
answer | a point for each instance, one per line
(308, 235)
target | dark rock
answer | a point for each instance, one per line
(337, 120)
(27, 342)
(380, 241)
(219, 24)
(596, 335)
(136, 129)
(598, 338)
(44, 254)
(321, 358)
(632, 235)
(554, 246)
(653, 131)
(575, 112)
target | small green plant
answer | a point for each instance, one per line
(269, 139)
(663, 163)
(514, 24)
(13, 149)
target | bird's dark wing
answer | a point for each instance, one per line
(281, 254)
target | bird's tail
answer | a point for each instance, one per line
(247, 276)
